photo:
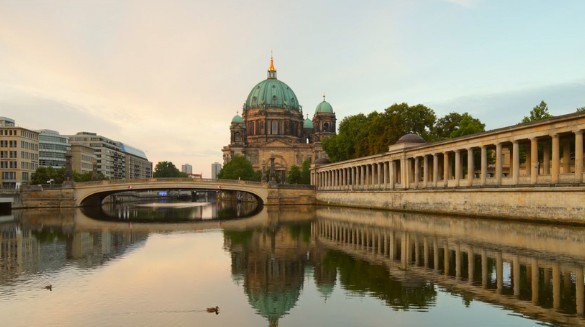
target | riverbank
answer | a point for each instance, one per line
(535, 204)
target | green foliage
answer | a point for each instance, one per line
(239, 168)
(294, 175)
(538, 113)
(167, 169)
(362, 135)
(44, 174)
(346, 144)
(581, 109)
(454, 125)
(306, 172)
(86, 177)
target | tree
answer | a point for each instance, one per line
(45, 174)
(306, 172)
(294, 175)
(167, 169)
(455, 124)
(239, 168)
(538, 113)
(362, 135)
(581, 109)
(88, 176)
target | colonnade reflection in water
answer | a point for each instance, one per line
(536, 270)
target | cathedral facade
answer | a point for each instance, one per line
(272, 128)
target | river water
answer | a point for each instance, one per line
(165, 264)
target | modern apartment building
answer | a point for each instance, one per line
(19, 154)
(53, 148)
(110, 159)
(82, 158)
(137, 165)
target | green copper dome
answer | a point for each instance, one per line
(324, 107)
(308, 124)
(237, 119)
(272, 93)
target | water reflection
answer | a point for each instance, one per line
(536, 270)
(271, 262)
(35, 246)
(171, 211)
(404, 261)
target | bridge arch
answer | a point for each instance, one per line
(92, 193)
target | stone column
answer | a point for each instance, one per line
(535, 167)
(470, 265)
(579, 156)
(470, 167)
(392, 247)
(516, 275)
(445, 169)
(426, 252)
(404, 247)
(498, 164)
(515, 162)
(554, 177)
(579, 290)
(404, 167)
(534, 280)
(425, 171)
(446, 260)
(527, 159)
(556, 280)
(435, 169)
(435, 254)
(484, 269)
(386, 167)
(457, 167)
(499, 273)
(483, 167)
(416, 252)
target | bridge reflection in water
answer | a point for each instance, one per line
(536, 270)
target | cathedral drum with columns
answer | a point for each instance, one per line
(272, 128)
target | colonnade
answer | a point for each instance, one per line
(547, 153)
(469, 264)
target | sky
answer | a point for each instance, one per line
(168, 76)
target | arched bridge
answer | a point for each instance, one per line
(92, 193)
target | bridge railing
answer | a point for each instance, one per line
(168, 180)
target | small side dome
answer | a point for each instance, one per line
(237, 119)
(411, 138)
(308, 124)
(322, 161)
(324, 107)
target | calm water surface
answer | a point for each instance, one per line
(163, 265)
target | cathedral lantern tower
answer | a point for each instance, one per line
(324, 121)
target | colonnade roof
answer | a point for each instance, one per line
(569, 123)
